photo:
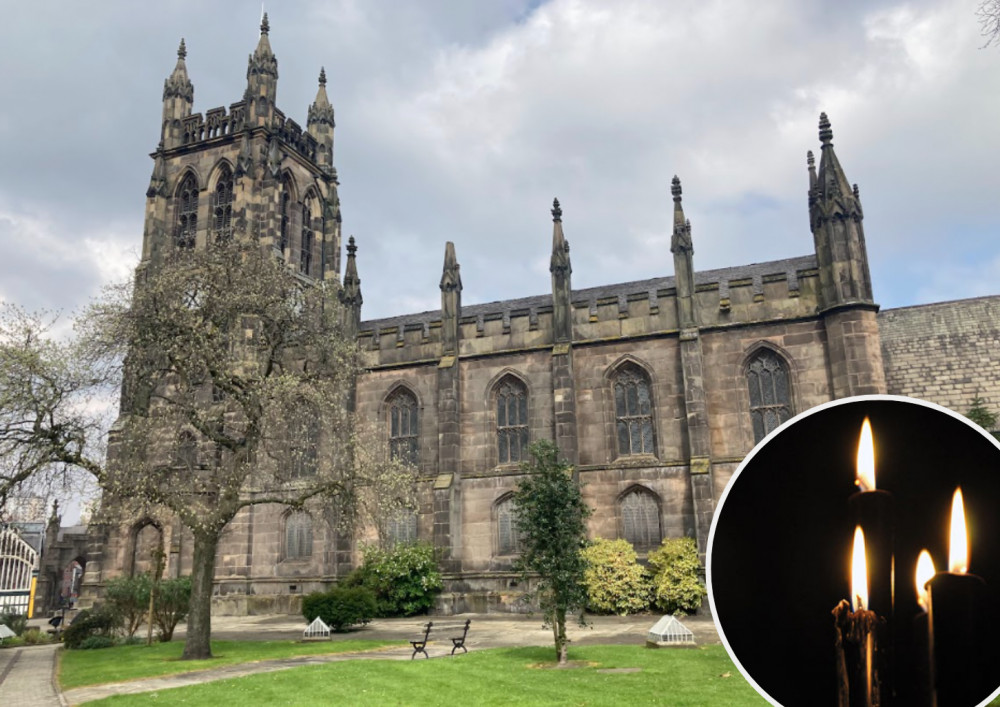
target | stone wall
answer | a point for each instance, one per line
(946, 353)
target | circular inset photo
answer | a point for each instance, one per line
(813, 558)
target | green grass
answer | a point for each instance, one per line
(78, 668)
(501, 676)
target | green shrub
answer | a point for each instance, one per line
(173, 600)
(404, 579)
(34, 637)
(128, 597)
(12, 642)
(99, 622)
(15, 622)
(677, 586)
(94, 642)
(341, 607)
(616, 583)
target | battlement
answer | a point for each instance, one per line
(218, 123)
(771, 291)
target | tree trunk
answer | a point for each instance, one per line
(197, 645)
(560, 630)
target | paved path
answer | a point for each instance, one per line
(27, 677)
(27, 674)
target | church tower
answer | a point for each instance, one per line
(846, 304)
(246, 172)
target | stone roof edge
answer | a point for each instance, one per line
(588, 294)
(938, 304)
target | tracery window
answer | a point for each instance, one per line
(403, 528)
(286, 215)
(512, 421)
(186, 451)
(633, 411)
(222, 206)
(640, 518)
(508, 538)
(404, 440)
(298, 535)
(187, 212)
(770, 400)
(306, 251)
(303, 441)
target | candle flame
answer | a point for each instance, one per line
(958, 552)
(859, 572)
(925, 571)
(866, 458)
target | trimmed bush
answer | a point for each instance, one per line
(173, 600)
(341, 607)
(616, 583)
(677, 586)
(128, 597)
(99, 622)
(404, 579)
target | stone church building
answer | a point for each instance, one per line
(654, 390)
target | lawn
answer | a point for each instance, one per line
(78, 668)
(683, 677)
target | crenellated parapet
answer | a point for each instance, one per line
(780, 291)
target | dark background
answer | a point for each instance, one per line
(780, 554)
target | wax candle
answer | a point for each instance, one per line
(956, 611)
(856, 652)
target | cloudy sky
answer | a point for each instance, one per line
(461, 120)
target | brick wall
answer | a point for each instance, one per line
(946, 353)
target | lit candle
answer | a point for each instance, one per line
(956, 603)
(858, 681)
(871, 508)
(923, 691)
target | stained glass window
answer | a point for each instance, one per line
(403, 432)
(186, 453)
(640, 514)
(508, 539)
(512, 421)
(222, 206)
(633, 411)
(770, 400)
(306, 251)
(286, 215)
(403, 528)
(187, 212)
(298, 536)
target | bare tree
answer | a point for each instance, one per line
(989, 20)
(237, 378)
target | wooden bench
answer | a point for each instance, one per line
(459, 641)
(420, 645)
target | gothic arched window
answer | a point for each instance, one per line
(187, 212)
(186, 452)
(770, 398)
(286, 214)
(308, 238)
(508, 539)
(298, 536)
(403, 528)
(640, 518)
(633, 411)
(303, 443)
(404, 440)
(222, 205)
(512, 420)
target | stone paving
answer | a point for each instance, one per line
(27, 674)
(27, 677)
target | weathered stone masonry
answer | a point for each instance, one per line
(655, 390)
